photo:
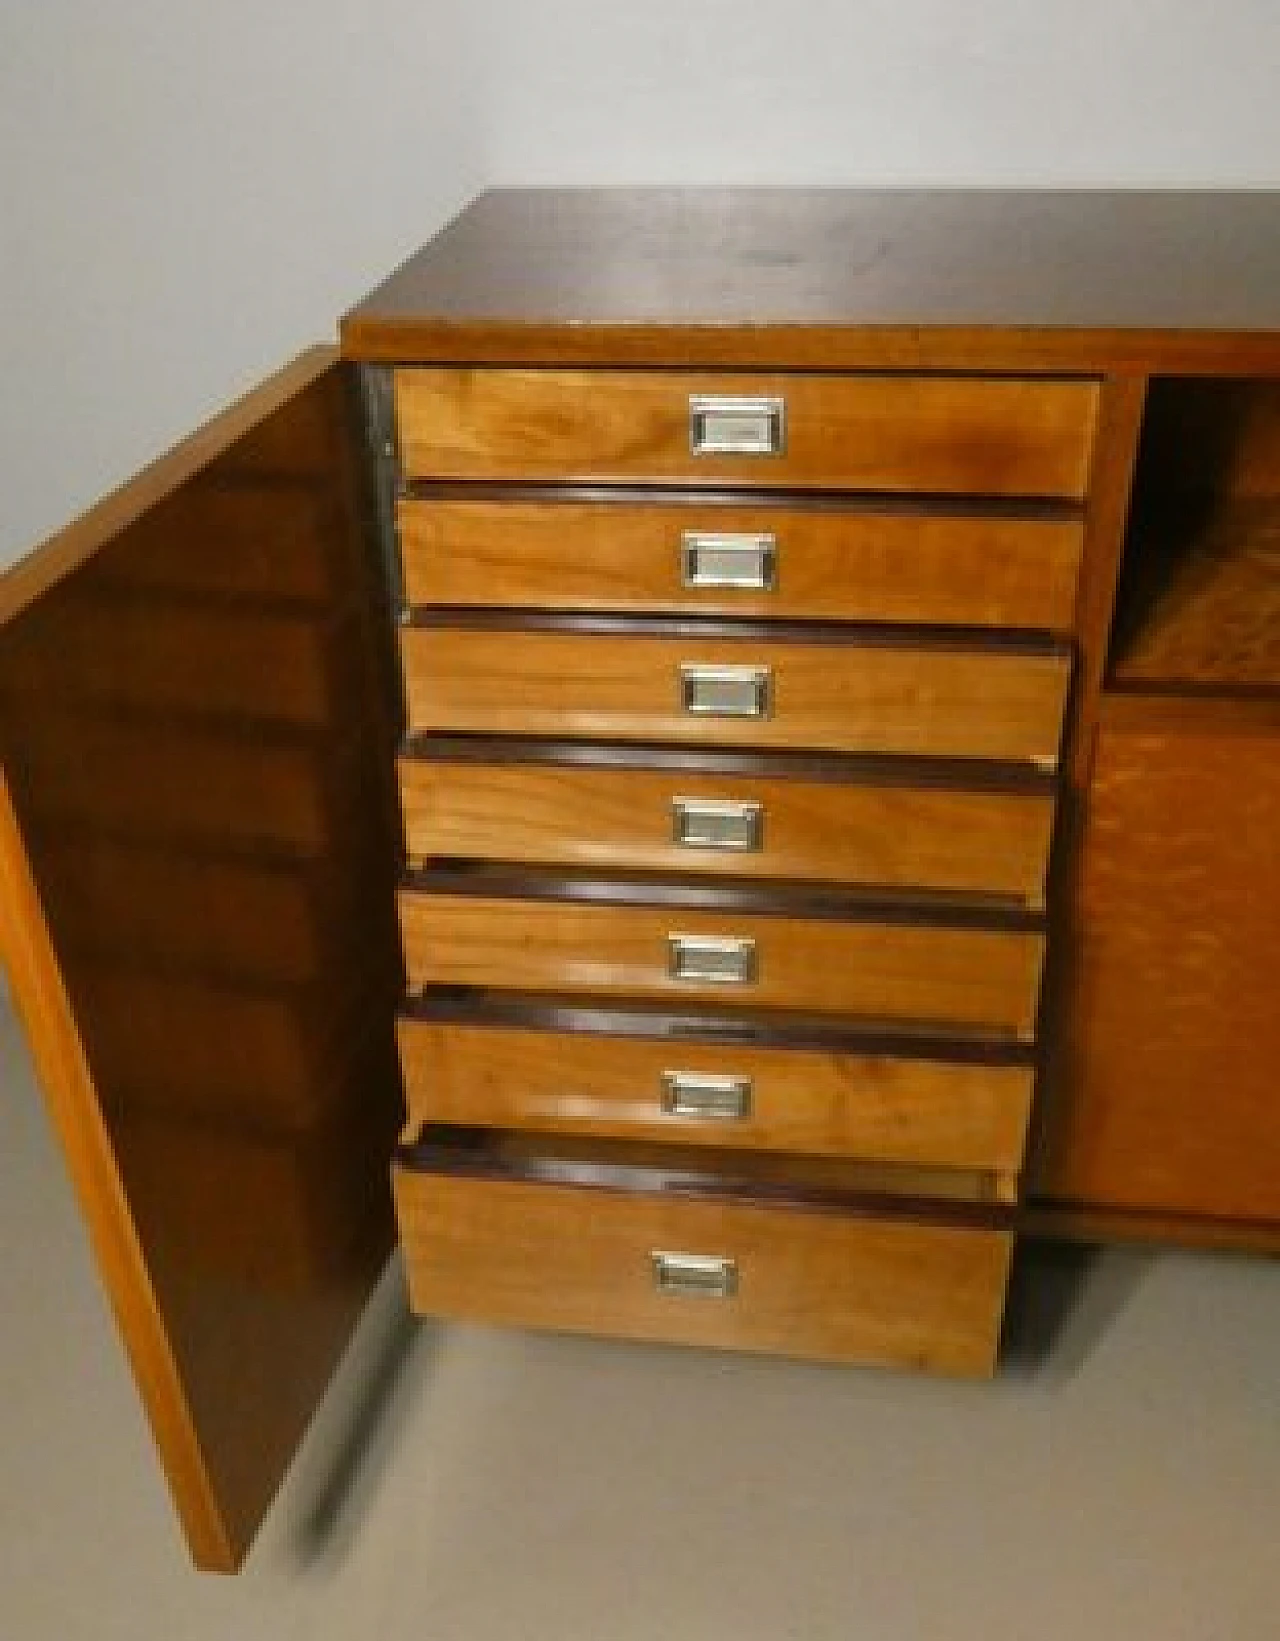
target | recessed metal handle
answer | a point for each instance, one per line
(702, 1276)
(723, 424)
(716, 823)
(712, 960)
(726, 692)
(706, 1096)
(711, 559)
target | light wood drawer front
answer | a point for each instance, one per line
(803, 1283)
(959, 701)
(744, 561)
(879, 1107)
(966, 977)
(975, 435)
(670, 821)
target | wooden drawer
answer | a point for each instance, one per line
(971, 976)
(849, 1101)
(900, 834)
(976, 435)
(785, 562)
(941, 698)
(636, 1253)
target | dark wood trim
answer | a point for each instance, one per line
(1062, 352)
(835, 769)
(764, 897)
(1066, 1222)
(848, 634)
(472, 1153)
(746, 1028)
(874, 503)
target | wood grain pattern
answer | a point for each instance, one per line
(1198, 606)
(836, 279)
(944, 434)
(970, 977)
(205, 813)
(1203, 608)
(31, 967)
(1124, 401)
(810, 1284)
(834, 564)
(247, 661)
(874, 1107)
(1163, 1078)
(278, 795)
(949, 700)
(899, 836)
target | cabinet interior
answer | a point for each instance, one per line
(1199, 600)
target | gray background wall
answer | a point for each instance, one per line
(187, 196)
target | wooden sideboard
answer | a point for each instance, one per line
(750, 718)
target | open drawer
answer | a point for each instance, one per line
(538, 1232)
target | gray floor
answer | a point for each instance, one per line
(1121, 1480)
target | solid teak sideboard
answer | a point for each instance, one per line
(729, 739)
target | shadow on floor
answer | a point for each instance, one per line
(393, 1355)
(1063, 1300)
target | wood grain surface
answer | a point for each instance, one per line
(831, 563)
(835, 279)
(893, 835)
(956, 700)
(969, 977)
(996, 436)
(876, 1107)
(809, 1284)
(196, 738)
(1162, 1078)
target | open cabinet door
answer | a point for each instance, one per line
(198, 845)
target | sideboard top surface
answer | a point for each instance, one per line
(794, 278)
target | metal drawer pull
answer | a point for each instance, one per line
(726, 692)
(715, 823)
(699, 1094)
(712, 960)
(726, 425)
(745, 561)
(705, 1276)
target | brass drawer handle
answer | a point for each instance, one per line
(717, 823)
(703, 1276)
(723, 424)
(712, 559)
(726, 692)
(706, 1096)
(711, 959)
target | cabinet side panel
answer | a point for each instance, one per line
(1164, 1088)
(199, 921)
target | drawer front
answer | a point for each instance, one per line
(878, 1107)
(961, 701)
(965, 977)
(671, 821)
(747, 561)
(746, 1277)
(996, 436)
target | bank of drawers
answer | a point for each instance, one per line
(734, 712)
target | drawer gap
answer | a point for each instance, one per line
(1031, 509)
(537, 1011)
(835, 768)
(824, 902)
(955, 1196)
